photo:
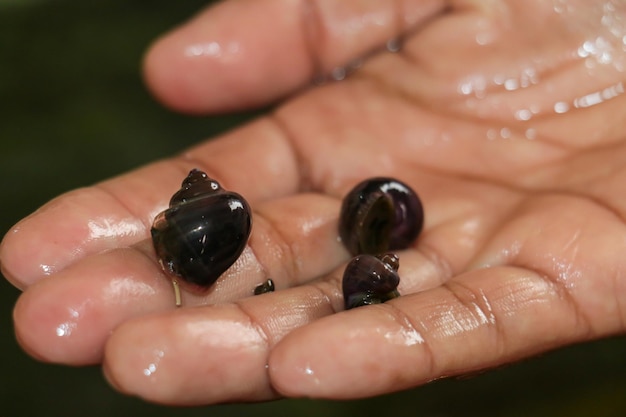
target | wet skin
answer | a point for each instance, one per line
(508, 117)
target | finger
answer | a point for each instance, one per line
(484, 320)
(67, 317)
(119, 212)
(247, 53)
(207, 355)
(544, 281)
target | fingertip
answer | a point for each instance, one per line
(231, 56)
(67, 317)
(305, 362)
(23, 334)
(50, 239)
(353, 354)
(50, 332)
(136, 371)
(21, 262)
(8, 259)
(191, 357)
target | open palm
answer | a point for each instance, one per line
(506, 117)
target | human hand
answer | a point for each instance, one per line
(524, 220)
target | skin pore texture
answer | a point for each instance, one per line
(507, 117)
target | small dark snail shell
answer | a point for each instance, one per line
(267, 286)
(380, 215)
(370, 279)
(203, 231)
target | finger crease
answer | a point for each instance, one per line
(408, 326)
(327, 296)
(291, 270)
(147, 223)
(563, 293)
(561, 289)
(256, 324)
(439, 262)
(311, 25)
(478, 305)
(289, 136)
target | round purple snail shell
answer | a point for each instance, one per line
(380, 214)
(203, 232)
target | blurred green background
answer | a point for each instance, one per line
(73, 111)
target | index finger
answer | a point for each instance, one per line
(256, 160)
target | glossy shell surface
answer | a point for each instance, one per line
(379, 215)
(203, 232)
(370, 279)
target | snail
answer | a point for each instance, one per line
(370, 279)
(267, 286)
(202, 233)
(379, 215)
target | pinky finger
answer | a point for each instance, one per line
(474, 322)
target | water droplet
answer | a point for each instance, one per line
(475, 85)
(46, 269)
(393, 45)
(586, 49)
(465, 88)
(338, 73)
(499, 79)
(150, 369)
(523, 115)
(588, 100)
(561, 107)
(212, 49)
(531, 134)
(153, 366)
(563, 6)
(484, 38)
(605, 57)
(599, 96)
(511, 84)
(529, 77)
(65, 329)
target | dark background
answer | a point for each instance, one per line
(73, 111)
